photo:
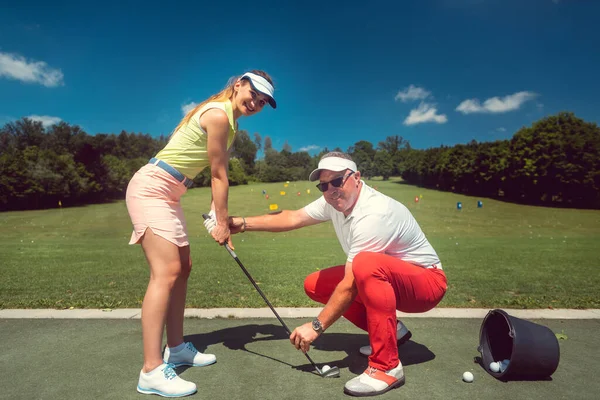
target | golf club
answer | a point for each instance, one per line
(333, 372)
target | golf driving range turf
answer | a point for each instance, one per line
(499, 256)
(101, 359)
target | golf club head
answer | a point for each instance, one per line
(333, 372)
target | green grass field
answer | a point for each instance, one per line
(501, 255)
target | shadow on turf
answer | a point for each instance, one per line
(237, 337)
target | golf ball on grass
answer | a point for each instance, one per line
(468, 377)
(325, 368)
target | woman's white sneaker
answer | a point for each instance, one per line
(163, 381)
(188, 356)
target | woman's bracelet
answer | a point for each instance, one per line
(244, 224)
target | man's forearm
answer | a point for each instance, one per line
(338, 303)
(279, 222)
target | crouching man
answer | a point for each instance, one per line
(390, 266)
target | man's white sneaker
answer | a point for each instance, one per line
(163, 381)
(402, 335)
(373, 382)
(188, 356)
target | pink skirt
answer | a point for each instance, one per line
(153, 202)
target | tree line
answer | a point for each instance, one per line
(556, 161)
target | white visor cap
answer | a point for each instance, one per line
(262, 85)
(332, 164)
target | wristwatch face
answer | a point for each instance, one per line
(316, 324)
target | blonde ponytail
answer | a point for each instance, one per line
(222, 96)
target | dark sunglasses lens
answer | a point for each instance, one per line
(337, 182)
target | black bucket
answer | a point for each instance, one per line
(532, 350)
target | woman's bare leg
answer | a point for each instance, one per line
(175, 314)
(165, 269)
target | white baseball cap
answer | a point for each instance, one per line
(332, 164)
(262, 85)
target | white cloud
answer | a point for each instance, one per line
(495, 104)
(14, 66)
(186, 108)
(46, 120)
(425, 113)
(412, 93)
(310, 148)
(501, 129)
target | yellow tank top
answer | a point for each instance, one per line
(187, 149)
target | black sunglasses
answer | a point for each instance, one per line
(337, 182)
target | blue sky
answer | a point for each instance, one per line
(432, 71)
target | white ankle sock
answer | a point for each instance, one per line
(177, 349)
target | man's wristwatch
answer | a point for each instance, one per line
(317, 326)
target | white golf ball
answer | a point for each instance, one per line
(325, 368)
(468, 377)
(495, 366)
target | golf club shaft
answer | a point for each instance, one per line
(237, 260)
(235, 257)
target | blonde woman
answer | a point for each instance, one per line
(202, 139)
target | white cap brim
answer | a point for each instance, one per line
(335, 164)
(262, 85)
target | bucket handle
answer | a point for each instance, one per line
(511, 329)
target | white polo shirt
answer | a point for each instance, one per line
(378, 224)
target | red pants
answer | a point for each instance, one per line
(385, 284)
